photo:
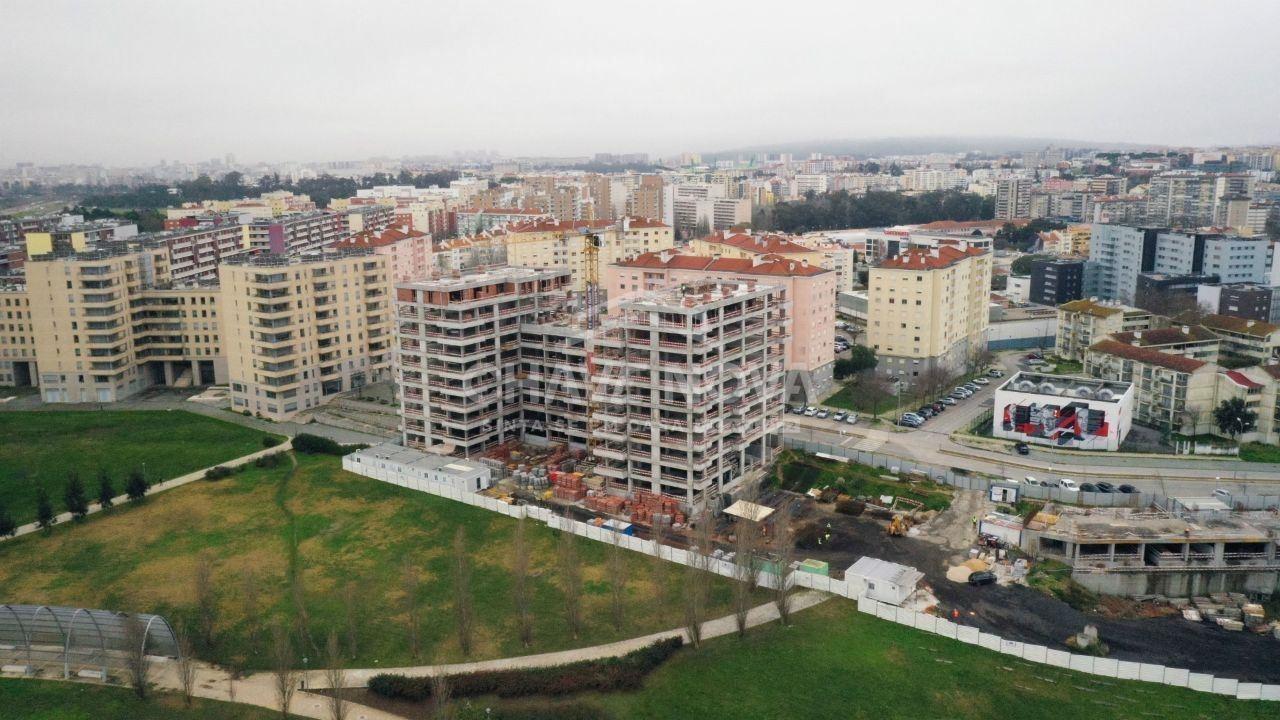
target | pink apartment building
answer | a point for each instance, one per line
(810, 290)
(408, 251)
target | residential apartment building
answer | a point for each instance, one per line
(297, 233)
(1072, 241)
(1173, 393)
(1233, 259)
(1243, 300)
(810, 290)
(459, 354)
(410, 253)
(928, 310)
(1117, 254)
(689, 395)
(1013, 198)
(106, 323)
(1245, 339)
(300, 330)
(560, 245)
(1054, 282)
(1084, 322)
(745, 246)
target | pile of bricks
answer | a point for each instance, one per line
(646, 507)
(603, 503)
(567, 486)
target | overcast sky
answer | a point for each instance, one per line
(126, 82)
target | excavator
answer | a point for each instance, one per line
(899, 526)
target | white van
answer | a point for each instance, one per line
(1068, 484)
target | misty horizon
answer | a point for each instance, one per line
(136, 82)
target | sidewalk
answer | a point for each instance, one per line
(259, 689)
(160, 486)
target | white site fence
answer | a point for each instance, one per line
(853, 590)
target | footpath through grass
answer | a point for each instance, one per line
(41, 448)
(52, 700)
(799, 471)
(346, 538)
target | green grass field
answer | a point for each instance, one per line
(838, 663)
(799, 471)
(49, 700)
(338, 530)
(1258, 452)
(41, 448)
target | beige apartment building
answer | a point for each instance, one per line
(927, 310)
(559, 245)
(300, 330)
(1081, 323)
(107, 323)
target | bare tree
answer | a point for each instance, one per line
(336, 677)
(520, 590)
(301, 614)
(440, 694)
(745, 570)
(249, 606)
(463, 602)
(233, 676)
(137, 662)
(409, 583)
(658, 568)
(932, 381)
(350, 609)
(617, 582)
(571, 582)
(206, 602)
(283, 669)
(696, 580)
(785, 540)
(186, 664)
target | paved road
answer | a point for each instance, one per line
(932, 444)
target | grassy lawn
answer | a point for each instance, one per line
(835, 662)
(41, 448)
(798, 471)
(335, 530)
(852, 397)
(1258, 452)
(49, 700)
(1063, 366)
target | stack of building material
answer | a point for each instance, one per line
(567, 486)
(604, 503)
(649, 508)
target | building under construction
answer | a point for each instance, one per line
(1174, 554)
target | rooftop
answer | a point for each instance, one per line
(485, 277)
(1067, 386)
(1099, 309)
(1165, 336)
(759, 265)
(876, 569)
(1149, 356)
(1242, 326)
(390, 452)
(1128, 525)
(769, 244)
(935, 258)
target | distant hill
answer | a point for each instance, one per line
(877, 147)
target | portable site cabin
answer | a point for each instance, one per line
(884, 581)
(1007, 528)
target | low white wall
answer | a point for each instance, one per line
(1105, 667)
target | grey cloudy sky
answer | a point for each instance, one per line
(131, 82)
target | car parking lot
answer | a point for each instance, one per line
(954, 409)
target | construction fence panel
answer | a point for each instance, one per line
(1150, 672)
(905, 617)
(1177, 677)
(926, 622)
(1270, 692)
(885, 611)
(1012, 647)
(1106, 667)
(1081, 663)
(1128, 670)
(1249, 691)
(1058, 658)
(1035, 654)
(1225, 686)
(966, 634)
(945, 628)
(989, 641)
(1202, 682)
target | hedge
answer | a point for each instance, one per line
(309, 444)
(610, 674)
(218, 472)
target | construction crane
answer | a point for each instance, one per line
(591, 282)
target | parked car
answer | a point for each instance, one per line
(963, 392)
(1068, 484)
(948, 400)
(1030, 480)
(995, 373)
(938, 407)
(972, 388)
(912, 417)
(1049, 483)
(1127, 488)
(810, 411)
(911, 422)
(852, 419)
(1105, 487)
(1223, 495)
(981, 380)
(1034, 356)
(925, 412)
(982, 577)
(1022, 448)
(797, 409)
(838, 416)
(822, 414)
(1088, 487)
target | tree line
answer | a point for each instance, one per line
(877, 208)
(232, 186)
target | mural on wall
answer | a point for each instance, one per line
(1074, 424)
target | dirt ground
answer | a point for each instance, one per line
(1026, 614)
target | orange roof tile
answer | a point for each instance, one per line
(929, 258)
(1150, 356)
(760, 244)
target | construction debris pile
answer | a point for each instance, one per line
(1230, 611)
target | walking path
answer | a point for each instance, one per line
(160, 486)
(259, 689)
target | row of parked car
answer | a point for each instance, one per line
(850, 418)
(1072, 486)
(957, 395)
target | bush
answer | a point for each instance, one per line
(309, 444)
(268, 461)
(608, 675)
(271, 441)
(218, 472)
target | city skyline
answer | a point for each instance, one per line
(77, 87)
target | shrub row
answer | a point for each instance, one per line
(608, 675)
(309, 444)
